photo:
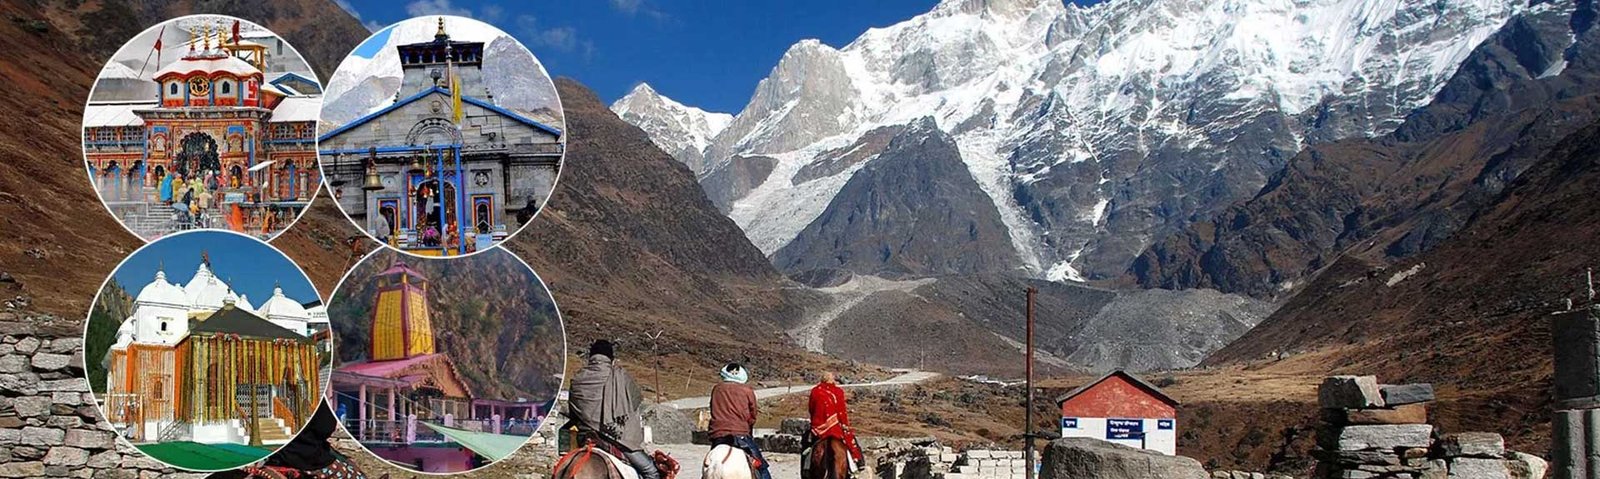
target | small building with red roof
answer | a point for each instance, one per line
(1124, 409)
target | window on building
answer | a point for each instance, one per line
(172, 89)
(226, 88)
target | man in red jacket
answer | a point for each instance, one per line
(830, 417)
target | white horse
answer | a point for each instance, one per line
(727, 462)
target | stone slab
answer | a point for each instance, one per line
(1375, 437)
(1405, 414)
(1473, 444)
(1478, 468)
(1349, 392)
(1401, 394)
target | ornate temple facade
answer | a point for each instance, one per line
(198, 363)
(443, 170)
(401, 399)
(211, 116)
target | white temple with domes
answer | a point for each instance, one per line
(186, 360)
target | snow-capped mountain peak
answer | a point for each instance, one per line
(682, 131)
(1095, 129)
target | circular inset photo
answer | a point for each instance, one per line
(204, 122)
(445, 365)
(441, 136)
(206, 349)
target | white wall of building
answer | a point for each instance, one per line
(1160, 435)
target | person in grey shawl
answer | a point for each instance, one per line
(604, 402)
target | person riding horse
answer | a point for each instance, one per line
(604, 402)
(733, 415)
(830, 418)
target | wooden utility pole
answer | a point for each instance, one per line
(1027, 428)
(655, 351)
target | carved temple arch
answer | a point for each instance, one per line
(436, 131)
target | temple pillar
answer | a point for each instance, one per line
(361, 411)
(496, 419)
(1575, 435)
(411, 428)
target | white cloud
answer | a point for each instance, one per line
(419, 8)
(563, 39)
(636, 7)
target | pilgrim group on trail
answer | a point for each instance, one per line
(605, 405)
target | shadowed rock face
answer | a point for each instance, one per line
(914, 210)
(1085, 457)
(1390, 198)
(736, 178)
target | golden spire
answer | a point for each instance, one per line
(441, 34)
(192, 38)
(208, 36)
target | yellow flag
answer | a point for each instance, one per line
(455, 97)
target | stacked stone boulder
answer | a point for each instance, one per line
(49, 425)
(1373, 430)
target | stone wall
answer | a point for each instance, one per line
(988, 464)
(49, 425)
(1373, 430)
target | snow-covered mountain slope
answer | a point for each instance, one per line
(1093, 130)
(682, 131)
(512, 75)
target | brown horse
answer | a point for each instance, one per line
(587, 462)
(595, 462)
(829, 459)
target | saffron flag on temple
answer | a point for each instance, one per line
(455, 97)
(235, 32)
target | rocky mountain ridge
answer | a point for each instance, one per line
(1392, 197)
(682, 131)
(1093, 131)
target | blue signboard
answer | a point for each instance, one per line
(1164, 424)
(1124, 429)
(1069, 423)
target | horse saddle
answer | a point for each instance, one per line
(727, 455)
(576, 459)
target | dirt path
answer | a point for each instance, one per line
(906, 377)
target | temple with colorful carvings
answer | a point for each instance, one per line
(408, 403)
(218, 131)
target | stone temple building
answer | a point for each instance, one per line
(441, 171)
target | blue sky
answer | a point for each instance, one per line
(251, 267)
(705, 53)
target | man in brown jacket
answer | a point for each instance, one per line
(733, 415)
